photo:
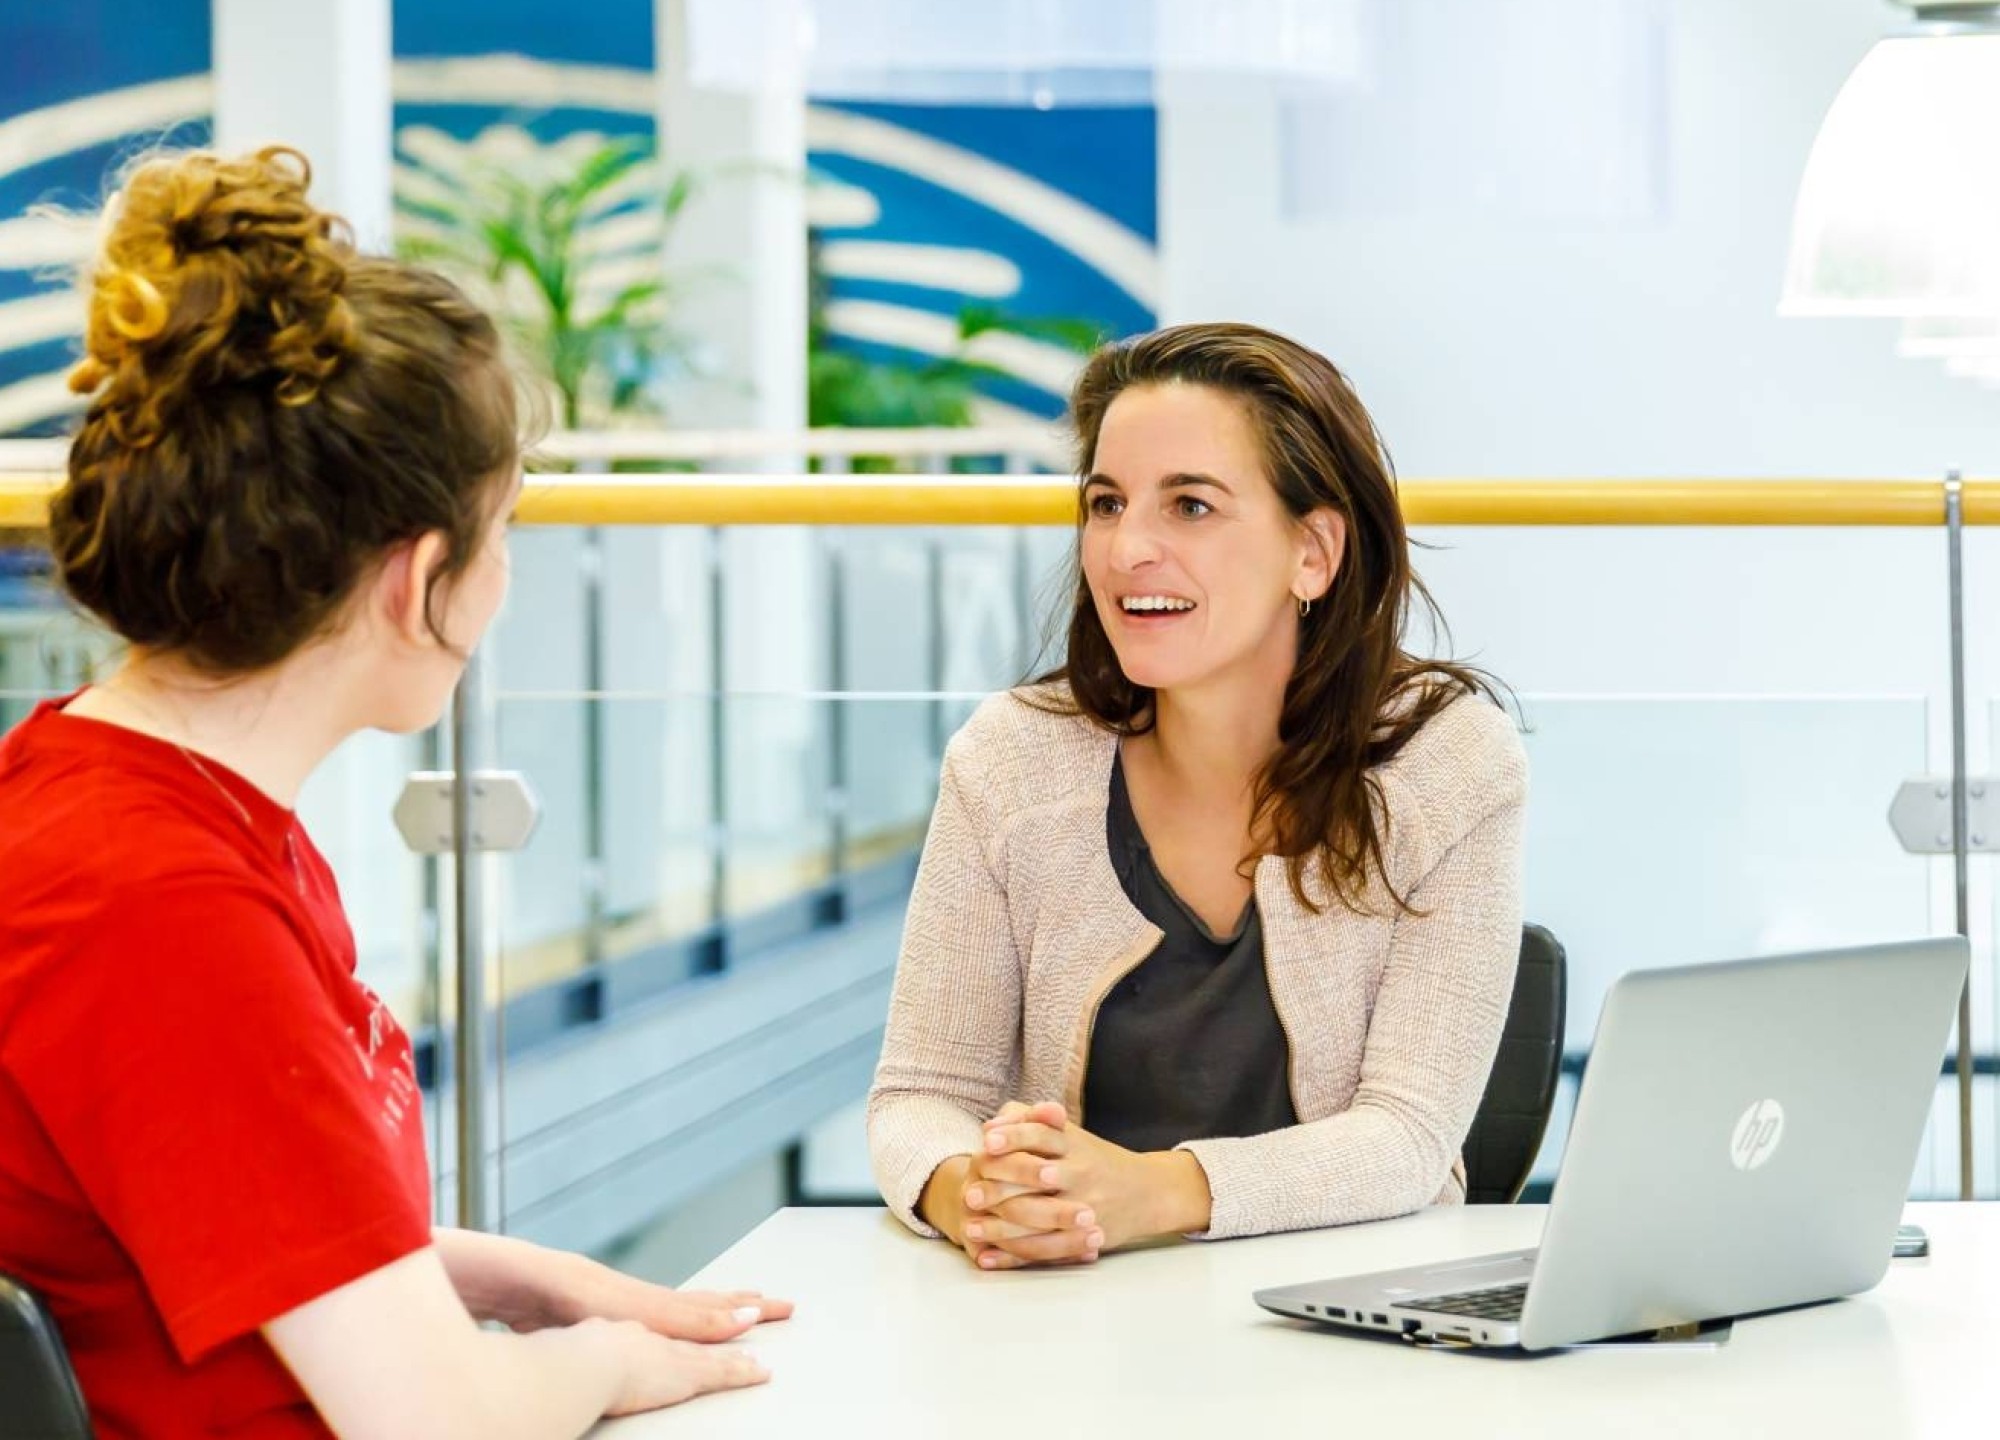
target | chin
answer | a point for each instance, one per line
(1153, 675)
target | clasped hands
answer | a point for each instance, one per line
(1045, 1191)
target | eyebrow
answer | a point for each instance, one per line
(1180, 480)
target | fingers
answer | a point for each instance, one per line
(992, 1257)
(1045, 1249)
(659, 1371)
(981, 1194)
(709, 1315)
(731, 1368)
(1027, 1137)
(1043, 1112)
(769, 1307)
(705, 1322)
(1021, 1170)
(1031, 1215)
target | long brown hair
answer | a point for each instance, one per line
(1356, 696)
(270, 411)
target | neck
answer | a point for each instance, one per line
(1215, 743)
(273, 727)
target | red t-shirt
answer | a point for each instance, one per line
(205, 1119)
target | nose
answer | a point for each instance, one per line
(1133, 543)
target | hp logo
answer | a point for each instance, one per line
(1758, 1132)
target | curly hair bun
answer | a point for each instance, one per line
(213, 272)
(270, 411)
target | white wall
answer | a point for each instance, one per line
(1493, 348)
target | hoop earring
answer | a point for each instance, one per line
(1305, 607)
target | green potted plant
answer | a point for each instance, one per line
(520, 240)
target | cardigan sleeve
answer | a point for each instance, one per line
(1431, 1039)
(950, 1055)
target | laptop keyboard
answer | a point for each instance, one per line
(1499, 1302)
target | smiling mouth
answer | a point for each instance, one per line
(1152, 605)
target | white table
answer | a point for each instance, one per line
(901, 1337)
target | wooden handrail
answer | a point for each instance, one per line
(710, 499)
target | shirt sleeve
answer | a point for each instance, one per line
(950, 1052)
(190, 1062)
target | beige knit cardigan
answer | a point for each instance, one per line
(1018, 928)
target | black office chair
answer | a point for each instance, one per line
(42, 1401)
(1507, 1130)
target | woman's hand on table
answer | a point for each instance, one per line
(600, 1292)
(529, 1287)
(967, 1208)
(1046, 1191)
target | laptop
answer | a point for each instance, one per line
(1744, 1140)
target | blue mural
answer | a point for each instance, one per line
(550, 69)
(83, 85)
(924, 212)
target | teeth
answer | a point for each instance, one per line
(1155, 602)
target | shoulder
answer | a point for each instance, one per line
(195, 952)
(1464, 765)
(1025, 748)
(112, 884)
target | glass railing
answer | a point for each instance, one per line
(734, 732)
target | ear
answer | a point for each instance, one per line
(403, 588)
(1322, 542)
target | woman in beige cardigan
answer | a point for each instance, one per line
(1215, 926)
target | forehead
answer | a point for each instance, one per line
(1153, 430)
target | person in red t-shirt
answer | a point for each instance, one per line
(289, 494)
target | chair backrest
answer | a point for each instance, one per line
(42, 1401)
(1507, 1130)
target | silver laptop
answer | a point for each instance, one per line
(1744, 1141)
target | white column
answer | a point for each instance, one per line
(745, 143)
(742, 136)
(315, 77)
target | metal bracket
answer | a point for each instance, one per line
(503, 810)
(1921, 815)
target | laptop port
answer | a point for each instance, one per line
(1312, 1309)
(1337, 1312)
(1379, 1318)
(1410, 1327)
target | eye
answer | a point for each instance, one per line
(1104, 504)
(1189, 508)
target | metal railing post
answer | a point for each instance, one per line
(839, 783)
(469, 1023)
(596, 745)
(934, 660)
(718, 730)
(1961, 837)
(839, 779)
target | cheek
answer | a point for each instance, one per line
(1090, 556)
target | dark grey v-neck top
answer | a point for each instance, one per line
(1188, 1045)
